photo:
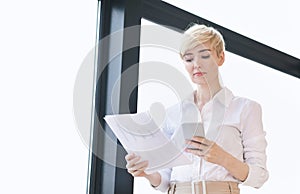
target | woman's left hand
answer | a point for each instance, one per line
(207, 149)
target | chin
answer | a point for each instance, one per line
(199, 81)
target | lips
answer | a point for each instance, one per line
(199, 73)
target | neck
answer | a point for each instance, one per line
(206, 92)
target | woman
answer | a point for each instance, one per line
(233, 151)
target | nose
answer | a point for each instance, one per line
(196, 62)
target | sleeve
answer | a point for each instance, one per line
(254, 142)
(165, 180)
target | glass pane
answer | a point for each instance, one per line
(156, 90)
(278, 94)
(274, 23)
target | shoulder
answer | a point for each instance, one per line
(244, 103)
(247, 102)
(242, 107)
(249, 111)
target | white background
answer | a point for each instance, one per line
(42, 46)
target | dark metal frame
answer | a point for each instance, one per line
(119, 14)
(166, 14)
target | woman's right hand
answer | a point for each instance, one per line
(136, 167)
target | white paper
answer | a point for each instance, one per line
(139, 134)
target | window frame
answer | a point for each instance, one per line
(116, 15)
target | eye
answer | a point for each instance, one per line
(205, 56)
(188, 60)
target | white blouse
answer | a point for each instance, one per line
(235, 124)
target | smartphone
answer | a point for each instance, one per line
(192, 129)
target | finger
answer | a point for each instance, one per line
(201, 140)
(139, 166)
(133, 162)
(197, 145)
(139, 171)
(129, 157)
(134, 170)
(194, 151)
(194, 142)
(136, 173)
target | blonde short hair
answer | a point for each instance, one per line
(199, 34)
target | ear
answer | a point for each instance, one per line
(221, 58)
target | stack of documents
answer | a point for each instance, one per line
(139, 134)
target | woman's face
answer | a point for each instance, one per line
(202, 64)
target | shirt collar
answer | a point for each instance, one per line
(224, 96)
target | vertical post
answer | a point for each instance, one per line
(105, 174)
